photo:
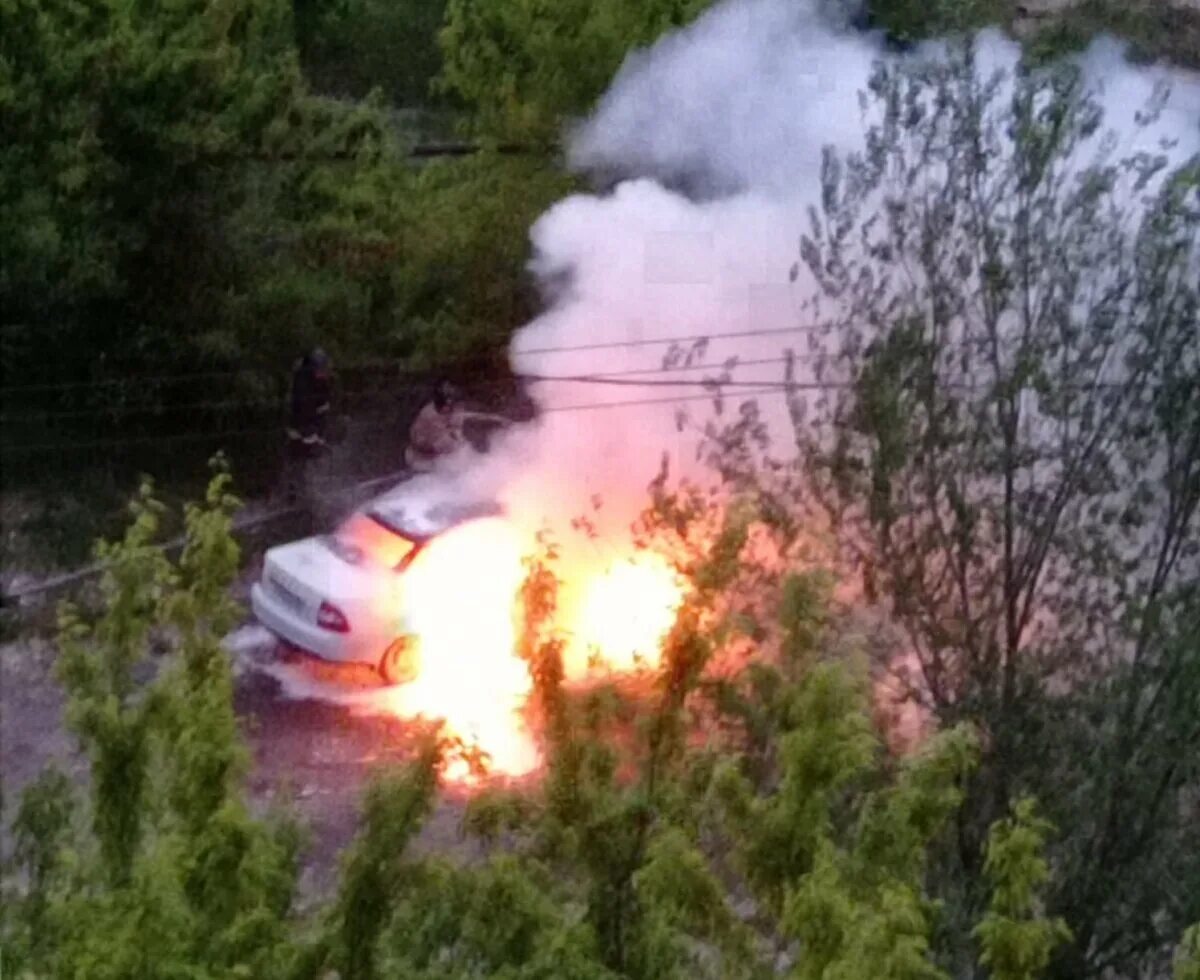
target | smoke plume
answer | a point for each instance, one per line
(686, 270)
(715, 135)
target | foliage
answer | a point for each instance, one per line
(1153, 30)
(828, 841)
(1014, 461)
(1016, 940)
(860, 911)
(839, 857)
(1015, 455)
(423, 264)
(116, 125)
(909, 21)
(523, 68)
(1187, 957)
(213, 208)
(162, 271)
(349, 48)
(788, 838)
(392, 813)
(169, 875)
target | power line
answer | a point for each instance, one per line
(135, 440)
(781, 388)
(423, 376)
(605, 378)
(714, 390)
(710, 395)
(649, 342)
(670, 369)
(394, 365)
(166, 409)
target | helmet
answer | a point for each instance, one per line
(317, 359)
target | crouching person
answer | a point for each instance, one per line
(437, 431)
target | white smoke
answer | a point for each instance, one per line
(736, 109)
(744, 98)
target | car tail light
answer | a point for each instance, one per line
(330, 617)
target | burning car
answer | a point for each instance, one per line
(341, 596)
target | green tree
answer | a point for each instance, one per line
(910, 21)
(1017, 941)
(603, 874)
(839, 858)
(393, 811)
(122, 128)
(1013, 453)
(106, 709)
(523, 68)
(1187, 956)
(787, 835)
(350, 47)
(426, 264)
(172, 876)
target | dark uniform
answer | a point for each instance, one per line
(312, 392)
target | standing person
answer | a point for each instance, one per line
(312, 393)
(437, 431)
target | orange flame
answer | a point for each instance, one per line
(461, 594)
(460, 597)
(622, 615)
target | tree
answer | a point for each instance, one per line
(787, 836)
(350, 47)
(524, 68)
(603, 874)
(1187, 957)
(120, 129)
(1016, 941)
(908, 22)
(1010, 446)
(171, 876)
(375, 868)
(791, 799)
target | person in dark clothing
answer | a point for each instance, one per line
(312, 390)
(312, 393)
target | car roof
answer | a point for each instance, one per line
(421, 512)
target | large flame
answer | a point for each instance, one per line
(461, 597)
(620, 614)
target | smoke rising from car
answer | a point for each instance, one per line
(716, 133)
(687, 271)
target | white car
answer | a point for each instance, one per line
(340, 596)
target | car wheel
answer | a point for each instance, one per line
(398, 665)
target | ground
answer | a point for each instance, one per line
(307, 733)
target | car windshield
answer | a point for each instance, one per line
(422, 520)
(362, 536)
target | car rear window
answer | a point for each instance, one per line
(362, 536)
